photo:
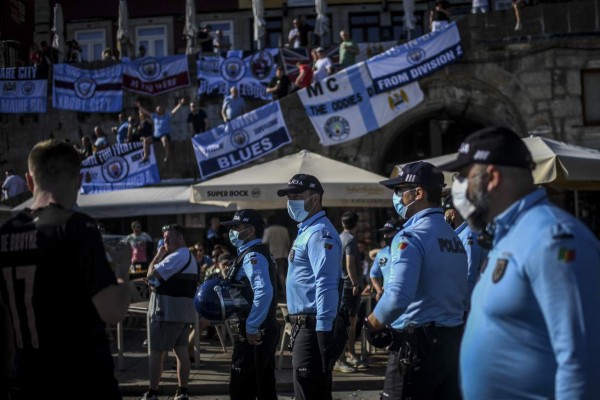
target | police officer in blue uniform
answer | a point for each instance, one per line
(313, 290)
(253, 359)
(533, 328)
(475, 253)
(424, 298)
(380, 271)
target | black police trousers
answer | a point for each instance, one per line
(253, 367)
(311, 382)
(423, 364)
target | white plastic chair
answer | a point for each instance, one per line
(287, 331)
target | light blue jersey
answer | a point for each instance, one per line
(428, 275)
(314, 271)
(475, 257)
(255, 267)
(533, 330)
(381, 265)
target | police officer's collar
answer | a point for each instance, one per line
(253, 242)
(461, 227)
(310, 220)
(423, 213)
(507, 218)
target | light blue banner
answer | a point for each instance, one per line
(241, 140)
(118, 167)
(88, 90)
(416, 59)
(21, 92)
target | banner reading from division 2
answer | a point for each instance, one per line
(118, 167)
(241, 140)
(416, 59)
(21, 92)
(344, 107)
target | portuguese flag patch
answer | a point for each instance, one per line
(566, 255)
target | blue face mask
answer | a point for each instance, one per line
(400, 207)
(234, 238)
(296, 210)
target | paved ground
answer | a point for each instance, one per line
(209, 380)
(343, 395)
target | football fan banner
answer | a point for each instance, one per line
(87, 90)
(345, 106)
(118, 167)
(21, 92)
(241, 140)
(153, 76)
(415, 59)
(250, 72)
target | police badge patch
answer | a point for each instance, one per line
(499, 270)
(291, 256)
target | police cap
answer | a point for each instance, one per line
(390, 226)
(495, 145)
(246, 217)
(301, 183)
(417, 173)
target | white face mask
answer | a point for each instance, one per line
(461, 202)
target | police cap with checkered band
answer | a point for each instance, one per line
(495, 145)
(246, 217)
(301, 183)
(417, 173)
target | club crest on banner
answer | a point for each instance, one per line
(85, 87)
(397, 100)
(261, 64)
(415, 56)
(28, 88)
(239, 139)
(9, 87)
(337, 128)
(149, 69)
(233, 68)
(115, 169)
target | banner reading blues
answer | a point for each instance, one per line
(21, 92)
(87, 90)
(250, 72)
(416, 59)
(241, 140)
(345, 106)
(153, 76)
(118, 167)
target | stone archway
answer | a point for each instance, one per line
(454, 106)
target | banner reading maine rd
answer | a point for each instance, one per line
(241, 140)
(153, 76)
(21, 92)
(250, 72)
(118, 167)
(344, 106)
(87, 90)
(416, 59)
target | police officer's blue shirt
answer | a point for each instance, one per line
(428, 275)
(475, 256)
(314, 271)
(533, 330)
(381, 265)
(256, 268)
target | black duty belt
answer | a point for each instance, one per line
(428, 328)
(308, 320)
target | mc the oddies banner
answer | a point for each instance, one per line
(87, 90)
(118, 167)
(153, 76)
(416, 59)
(345, 106)
(250, 72)
(241, 140)
(21, 92)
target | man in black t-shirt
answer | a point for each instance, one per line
(57, 290)
(280, 84)
(206, 40)
(197, 119)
